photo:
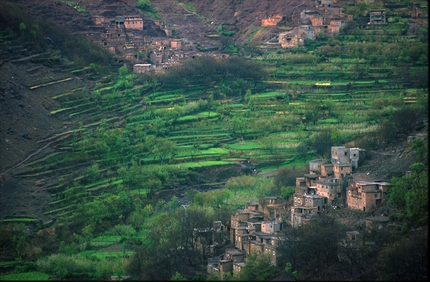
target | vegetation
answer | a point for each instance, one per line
(143, 136)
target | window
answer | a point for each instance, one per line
(346, 153)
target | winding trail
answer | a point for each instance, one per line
(37, 152)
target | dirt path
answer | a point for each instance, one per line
(37, 152)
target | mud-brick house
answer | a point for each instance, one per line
(334, 26)
(315, 165)
(327, 170)
(324, 3)
(377, 222)
(271, 21)
(350, 248)
(234, 254)
(133, 22)
(119, 22)
(316, 19)
(210, 240)
(237, 267)
(176, 44)
(377, 16)
(98, 20)
(143, 68)
(291, 39)
(273, 209)
(422, 136)
(342, 155)
(331, 190)
(305, 208)
(226, 263)
(307, 31)
(242, 223)
(366, 195)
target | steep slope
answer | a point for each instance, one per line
(194, 20)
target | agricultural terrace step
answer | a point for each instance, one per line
(199, 131)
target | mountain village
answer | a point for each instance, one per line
(122, 34)
(258, 227)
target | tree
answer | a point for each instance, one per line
(178, 277)
(417, 198)
(310, 260)
(238, 125)
(397, 194)
(409, 195)
(405, 260)
(302, 151)
(269, 143)
(321, 142)
(419, 147)
(22, 28)
(287, 176)
(144, 5)
(334, 137)
(258, 267)
(164, 148)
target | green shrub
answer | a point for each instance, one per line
(144, 5)
(26, 276)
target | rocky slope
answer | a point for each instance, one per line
(242, 16)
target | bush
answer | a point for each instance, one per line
(144, 5)
(70, 266)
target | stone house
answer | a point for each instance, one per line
(377, 16)
(331, 190)
(253, 229)
(210, 240)
(176, 44)
(119, 22)
(98, 20)
(305, 208)
(325, 184)
(316, 19)
(271, 21)
(334, 26)
(378, 222)
(291, 39)
(133, 22)
(237, 266)
(324, 3)
(342, 155)
(303, 215)
(350, 247)
(411, 138)
(366, 195)
(143, 68)
(307, 32)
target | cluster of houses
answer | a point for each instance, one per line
(124, 34)
(259, 226)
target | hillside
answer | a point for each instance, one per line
(30, 131)
(242, 16)
(97, 160)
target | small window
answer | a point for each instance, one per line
(346, 153)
